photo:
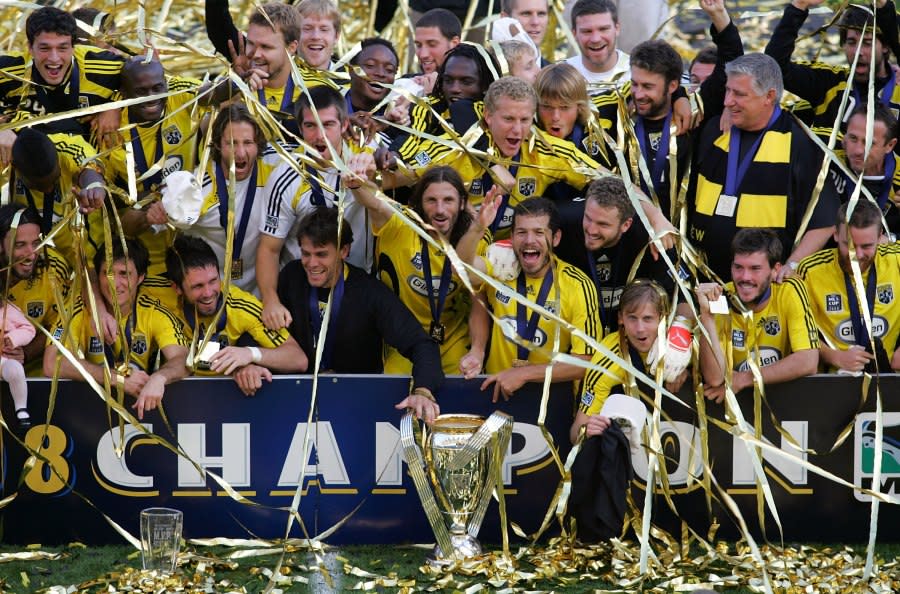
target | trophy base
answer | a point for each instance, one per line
(464, 546)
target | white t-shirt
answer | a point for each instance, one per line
(622, 66)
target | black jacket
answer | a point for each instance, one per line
(370, 314)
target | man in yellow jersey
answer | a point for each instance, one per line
(163, 139)
(422, 276)
(781, 325)
(553, 284)
(194, 271)
(238, 141)
(828, 277)
(146, 329)
(65, 77)
(290, 196)
(56, 175)
(39, 279)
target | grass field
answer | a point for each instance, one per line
(207, 570)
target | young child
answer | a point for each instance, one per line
(642, 305)
(521, 58)
(17, 332)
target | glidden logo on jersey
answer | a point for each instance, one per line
(844, 330)
(508, 327)
(767, 356)
(417, 284)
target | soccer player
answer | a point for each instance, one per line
(39, 278)
(422, 276)
(551, 283)
(290, 196)
(65, 77)
(146, 329)
(835, 304)
(759, 173)
(595, 24)
(780, 325)
(822, 85)
(55, 176)
(238, 141)
(194, 271)
(437, 32)
(365, 314)
(534, 15)
(320, 28)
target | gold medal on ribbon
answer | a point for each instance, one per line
(437, 332)
(237, 269)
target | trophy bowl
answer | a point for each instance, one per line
(458, 490)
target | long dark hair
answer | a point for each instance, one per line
(436, 175)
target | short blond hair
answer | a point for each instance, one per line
(321, 8)
(562, 82)
(510, 87)
(515, 50)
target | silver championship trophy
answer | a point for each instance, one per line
(461, 456)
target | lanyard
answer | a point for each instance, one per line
(286, 100)
(317, 194)
(47, 206)
(662, 151)
(191, 320)
(527, 330)
(860, 333)
(350, 109)
(111, 358)
(487, 183)
(886, 93)
(316, 318)
(435, 302)
(140, 160)
(222, 191)
(614, 266)
(577, 136)
(736, 173)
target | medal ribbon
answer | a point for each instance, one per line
(286, 100)
(614, 266)
(526, 331)
(436, 305)
(74, 86)
(736, 173)
(890, 165)
(315, 317)
(662, 151)
(860, 333)
(317, 194)
(47, 207)
(886, 93)
(111, 358)
(189, 317)
(140, 160)
(222, 192)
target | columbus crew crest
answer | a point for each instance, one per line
(35, 309)
(139, 344)
(772, 326)
(172, 135)
(885, 294)
(527, 186)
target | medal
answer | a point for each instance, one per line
(520, 362)
(237, 269)
(437, 332)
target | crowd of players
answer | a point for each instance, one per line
(616, 191)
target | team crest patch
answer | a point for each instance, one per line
(172, 134)
(57, 334)
(772, 326)
(416, 261)
(504, 299)
(527, 186)
(139, 344)
(552, 307)
(604, 271)
(83, 101)
(737, 339)
(35, 309)
(272, 222)
(476, 188)
(422, 158)
(20, 187)
(833, 302)
(885, 293)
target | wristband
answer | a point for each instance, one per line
(255, 354)
(424, 392)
